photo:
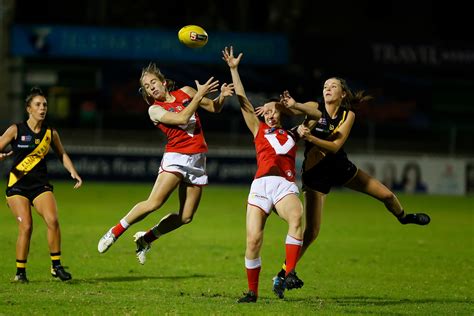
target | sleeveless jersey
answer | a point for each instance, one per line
(326, 127)
(26, 143)
(187, 138)
(276, 152)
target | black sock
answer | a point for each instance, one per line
(282, 272)
(20, 266)
(55, 259)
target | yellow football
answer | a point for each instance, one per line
(193, 36)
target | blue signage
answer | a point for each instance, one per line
(43, 41)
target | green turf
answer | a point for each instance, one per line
(363, 263)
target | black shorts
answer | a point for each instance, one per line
(31, 193)
(329, 172)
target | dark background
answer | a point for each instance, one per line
(419, 106)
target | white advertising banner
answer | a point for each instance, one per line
(420, 174)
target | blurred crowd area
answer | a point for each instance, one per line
(418, 68)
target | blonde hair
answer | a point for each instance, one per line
(153, 70)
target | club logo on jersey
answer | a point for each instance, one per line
(179, 108)
(280, 149)
(331, 127)
(281, 132)
(171, 110)
(25, 138)
(37, 141)
(269, 130)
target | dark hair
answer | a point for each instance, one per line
(352, 100)
(34, 92)
(154, 70)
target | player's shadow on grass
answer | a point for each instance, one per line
(379, 301)
(133, 278)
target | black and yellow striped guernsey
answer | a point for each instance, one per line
(29, 150)
(327, 126)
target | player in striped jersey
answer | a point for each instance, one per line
(28, 183)
(326, 165)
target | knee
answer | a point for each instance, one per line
(253, 243)
(152, 205)
(387, 197)
(52, 223)
(295, 219)
(25, 228)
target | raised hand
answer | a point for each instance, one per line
(287, 100)
(259, 111)
(228, 57)
(227, 90)
(208, 87)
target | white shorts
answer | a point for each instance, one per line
(265, 192)
(191, 167)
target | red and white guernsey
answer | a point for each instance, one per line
(276, 152)
(187, 138)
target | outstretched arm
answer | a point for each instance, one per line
(215, 105)
(159, 115)
(64, 158)
(292, 107)
(246, 107)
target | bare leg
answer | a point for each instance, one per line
(45, 204)
(364, 183)
(165, 184)
(314, 202)
(20, 207)
(189, 198)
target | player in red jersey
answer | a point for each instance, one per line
(184, 162)
(274, 184)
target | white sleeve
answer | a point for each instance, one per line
(156, 113)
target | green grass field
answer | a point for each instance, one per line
(364, 262)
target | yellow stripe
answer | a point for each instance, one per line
(344, 114)
(30, 161)
(55, 257)
(21, 265)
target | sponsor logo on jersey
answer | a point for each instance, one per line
(25, 138)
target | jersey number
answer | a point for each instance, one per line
(279, 148)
